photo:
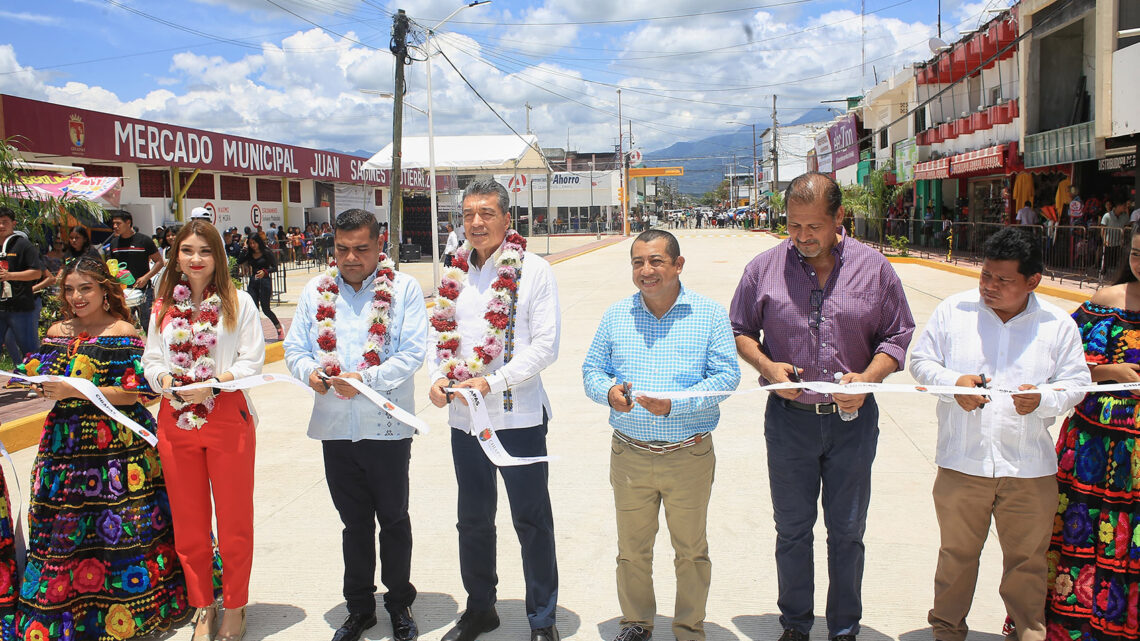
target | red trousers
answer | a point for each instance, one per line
(218, 456)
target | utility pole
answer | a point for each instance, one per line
(752, 199)
(775, 149)
(528, 108)
(399, 49)
(624, 187)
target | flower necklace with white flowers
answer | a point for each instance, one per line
(328, 291)
(499, 336)
(190, 345)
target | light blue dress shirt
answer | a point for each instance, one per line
(689, 348)
(404, 351)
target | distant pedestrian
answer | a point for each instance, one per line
(20, 268)
(1114, 221)
(452, 245)
(139, 255)
(1026, 215)
(820, 304)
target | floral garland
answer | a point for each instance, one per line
(191, 342)
(508, 266)
(328, 290)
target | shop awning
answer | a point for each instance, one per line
(45, 186)
(932, 170)
(981, 160)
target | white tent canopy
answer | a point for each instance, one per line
(466, 153)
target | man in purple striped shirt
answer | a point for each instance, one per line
(817, 305)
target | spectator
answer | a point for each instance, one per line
(1113, 221)
(1026, 215)
(79, 244)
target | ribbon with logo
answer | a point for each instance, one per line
(247, 382)
(89, 390)
(482, 429)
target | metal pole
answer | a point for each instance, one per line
(775, 149)
(395, 222)
(434, 235)
(624, 183)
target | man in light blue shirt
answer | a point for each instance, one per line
(664, 338)
(366, 450)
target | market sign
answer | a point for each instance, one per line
(823, 152)
(990, 158)
(906, 157)
(1117, 163)
(59, 130)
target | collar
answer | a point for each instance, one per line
(1031, 308)
(837, 250)
(366, 284)
(682, 299)
(491, 260)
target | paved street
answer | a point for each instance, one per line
(297, 564)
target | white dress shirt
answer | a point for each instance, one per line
(404, 350)
(1038, 346)
(240, 352)
(537, 330)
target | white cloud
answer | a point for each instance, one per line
(29, 17)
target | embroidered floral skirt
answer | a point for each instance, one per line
(7, 563)
(101, 562)
(1094, 558)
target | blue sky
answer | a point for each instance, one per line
(292, 70)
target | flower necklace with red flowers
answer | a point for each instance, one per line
(499, 336)
(327, 291)
(190, 344)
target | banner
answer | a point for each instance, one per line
(44, 186)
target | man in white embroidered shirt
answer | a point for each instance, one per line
(995, 455)
(484, 284)
(343, 330)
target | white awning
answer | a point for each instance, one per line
(466, 153)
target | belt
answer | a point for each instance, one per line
(661, 449)
(817, 408)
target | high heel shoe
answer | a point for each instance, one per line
(235, 637)
(280, 333)
(211, 614)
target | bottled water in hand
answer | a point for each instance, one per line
(845, 416)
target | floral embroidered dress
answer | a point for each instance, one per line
(101, 562)
(1094, 558)
(8, 581)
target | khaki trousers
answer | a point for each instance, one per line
(1023, 511)
(642, 481)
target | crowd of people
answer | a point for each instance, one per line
(698, 218)
(121, 534)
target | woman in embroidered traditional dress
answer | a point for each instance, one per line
(8, 581)
(101, 561)
(1094, 559)
(205, 330)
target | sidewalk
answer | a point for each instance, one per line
(297, 568)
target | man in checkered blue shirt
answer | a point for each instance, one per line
(663, 338)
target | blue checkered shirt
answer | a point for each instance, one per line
(689, 348)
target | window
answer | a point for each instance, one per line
(235, 188)
(202, 188)
(268, 190)
(101, 171)
(379, 198)
(294, 191)
(154, 183)
(883, 139)
(920, 119)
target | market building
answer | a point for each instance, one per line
(166, 170)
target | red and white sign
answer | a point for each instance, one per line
(516, 183)
(635, 157)
(213, 213)
(255, 214)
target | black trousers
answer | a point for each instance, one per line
(530, 511)
(368, 482)
(261, 291)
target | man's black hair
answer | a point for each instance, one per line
(1010, 243)
(123, 215)
(672, 247)
(806, 188)
(353, 219)
(8, 212)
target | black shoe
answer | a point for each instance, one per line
(549, 633)
(404, 627)
(793, 635)
(633, 633)
(354, 626)
(843, 637)
(472, 624)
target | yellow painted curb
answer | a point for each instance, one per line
(616, 240)
(1048, 290)
(25, 431)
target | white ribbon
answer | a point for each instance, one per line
(247, 382)
(482, 429)
(822, 387)
(395, 411)
(88, 389)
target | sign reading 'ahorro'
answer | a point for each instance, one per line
(66, 131)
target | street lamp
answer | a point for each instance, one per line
(755, 184)
(431, 140)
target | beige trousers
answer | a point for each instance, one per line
(1023, 511)
(642, 481)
